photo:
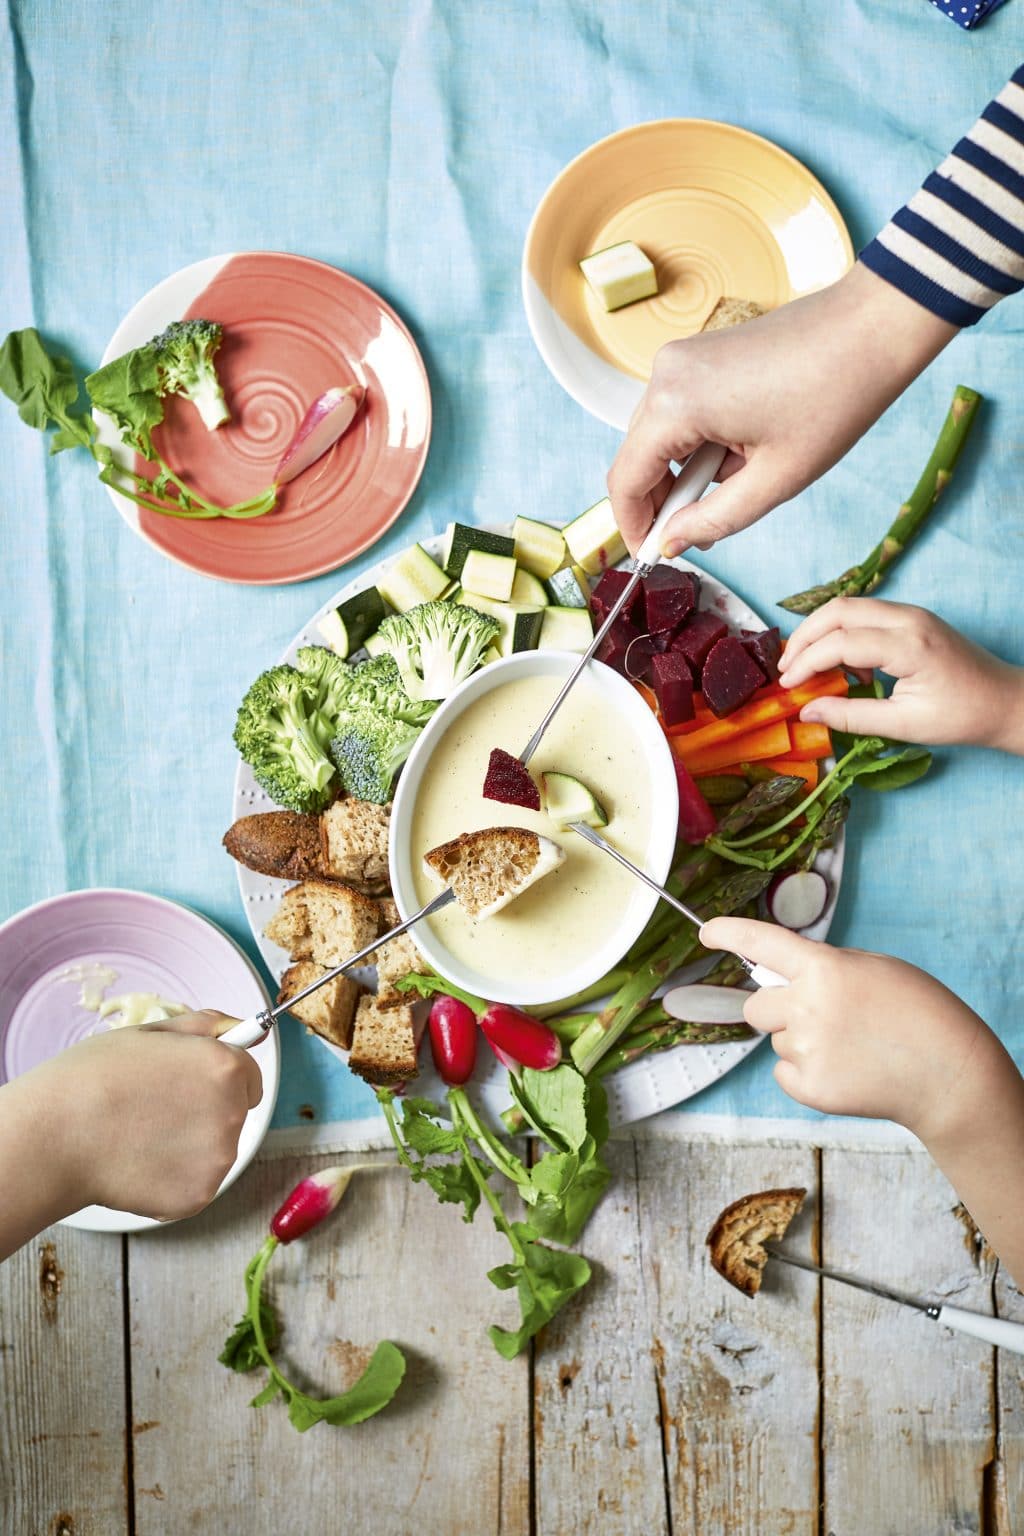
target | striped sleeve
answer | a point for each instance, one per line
(958, 246)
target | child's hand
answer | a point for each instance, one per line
(147, 1118)
(863, 1034)
(948, 689)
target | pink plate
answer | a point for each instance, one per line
(293, 328)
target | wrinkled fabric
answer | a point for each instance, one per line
(408, 141)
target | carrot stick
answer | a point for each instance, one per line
(771, 740)
(811, 741)
(771, 705)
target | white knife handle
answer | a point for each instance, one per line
(999, 1331)
(692, 481)
(761, 976)
(247, 1033)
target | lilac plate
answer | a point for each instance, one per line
(153, 945)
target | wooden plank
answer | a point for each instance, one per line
(738, 1378)
(450, 1454)
(909, 1407)
(62, 1388)
(1005, 1490)
(598, 1450)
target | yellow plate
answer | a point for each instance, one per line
(721, 212)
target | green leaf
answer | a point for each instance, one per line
(241, 1351)
(901, 769)
(372, 1392)
(429, 985)
(554, 1173)
(453, 1183)
(545, 1280)
(562, 1218)
(270, 1391)
(422, 1131)
(128, 390)
(555, 1103)
(44, 388)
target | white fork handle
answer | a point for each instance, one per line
(247, 1033)
(999, 1331)
(692, 481)
(761, 976)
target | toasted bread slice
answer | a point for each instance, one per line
(383, 1042)
(354, 844)
(731, 312)
(284, 844)
(488, 869)
(738, 1237)
(331, 1010)
(398, 957)
(319, 920)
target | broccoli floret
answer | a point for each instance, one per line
(373, 685)
(283, 736)
(436, 646)
(184, 358)
(369, 750)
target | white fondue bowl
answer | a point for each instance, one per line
(627, 709)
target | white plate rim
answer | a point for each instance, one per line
(656, 1081)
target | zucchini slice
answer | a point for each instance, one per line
(413, 578)
(569, 588)
(346, 628)
(593, 539)
(539, 548)
(566, 629)
(489, 575)
(460, 540)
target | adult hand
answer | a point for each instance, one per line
(787, 395)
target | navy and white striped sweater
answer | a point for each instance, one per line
(958, 246)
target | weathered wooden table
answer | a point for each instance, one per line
(663, 1402)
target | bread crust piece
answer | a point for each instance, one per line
(383, 1042)
(489, 868)
(283, 844)
(325, 921)
(729, 312)
(329, 1012)
(354, 844)
(737, 1239)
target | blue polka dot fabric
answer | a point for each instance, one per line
(967, 13)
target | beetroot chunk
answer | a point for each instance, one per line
(670, 596)
(696, 638)
(613, 648)
(508, 781)
(673, 687)
(730, 676)
(765, 646)
(607, 592)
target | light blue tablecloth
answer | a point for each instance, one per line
(408, 142)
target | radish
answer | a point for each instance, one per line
(528, 1041)
(309, 1203)
(798, 899)
(327, 418)
(705, 1004)
(453, 1039)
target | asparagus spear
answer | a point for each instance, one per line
(612, 1022)
(662, 1037)
(864, 578)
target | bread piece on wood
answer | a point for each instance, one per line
(398, 957)
(319, 920)
(731, 312)
(354, 844)
(284, 844)
(289, 926)
(330, 1011)
(488, 869)
(383, 1042)
(738, 1237)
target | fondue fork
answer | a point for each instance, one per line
(251, 1031)
(691, 483)
(760, 975)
